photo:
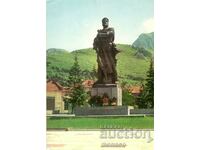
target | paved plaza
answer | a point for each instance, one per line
(122, 139)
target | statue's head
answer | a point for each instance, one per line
(105, 22)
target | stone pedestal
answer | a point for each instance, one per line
(112, 90)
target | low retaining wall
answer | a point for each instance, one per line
(142, 111)
(107, 110)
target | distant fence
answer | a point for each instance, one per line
(142, 111)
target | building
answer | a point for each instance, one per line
(56, 93)
(135, 90)
(87, 84)
(55, 98)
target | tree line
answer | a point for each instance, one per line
(75, 76)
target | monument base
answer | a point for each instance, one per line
(112, 90)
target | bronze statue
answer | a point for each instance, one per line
(106, 52)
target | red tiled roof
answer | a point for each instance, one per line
(53, 86)
(135, 89)
(88, 83)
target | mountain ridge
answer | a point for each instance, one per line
(145, 40)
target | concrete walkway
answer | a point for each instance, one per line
(100, 140)
(73, 115)
(61, 115)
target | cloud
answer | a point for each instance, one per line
(148, 25)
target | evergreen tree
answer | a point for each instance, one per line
(78, 95)
(146, 98)
(75, 73)
(149, 87)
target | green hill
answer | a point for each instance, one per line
(130, 68)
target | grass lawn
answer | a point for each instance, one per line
(101, 122)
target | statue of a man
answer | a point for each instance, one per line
(106, 52)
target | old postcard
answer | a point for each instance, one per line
(100, 74)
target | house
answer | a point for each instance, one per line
(87, 84)
(55, 98)
(56, 93)
(135, 90)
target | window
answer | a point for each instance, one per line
(50, 103)
(66, 105)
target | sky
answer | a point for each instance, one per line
(73, 24)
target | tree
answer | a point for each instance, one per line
(78, 95)
(94, 73)
(57, 74)
(75, 73)
(149, 87)
(124, 84)
(127, 98)
(146, 98)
